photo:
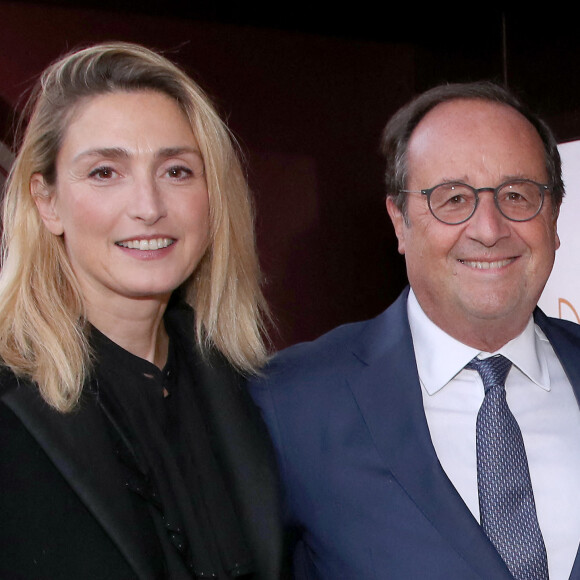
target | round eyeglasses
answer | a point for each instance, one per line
(453, 203)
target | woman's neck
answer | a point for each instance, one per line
(135, 325)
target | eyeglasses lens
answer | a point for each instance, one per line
(454, 203)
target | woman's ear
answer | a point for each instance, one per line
(45, 201)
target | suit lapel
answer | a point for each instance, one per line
(242, 446)
(566, 345)
(389, 395)
(243, 451)
(78, 446)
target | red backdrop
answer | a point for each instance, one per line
(308, 110)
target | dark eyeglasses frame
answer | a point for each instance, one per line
(427, 192)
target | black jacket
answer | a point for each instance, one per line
(62, 515)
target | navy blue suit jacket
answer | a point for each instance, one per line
(364, 490)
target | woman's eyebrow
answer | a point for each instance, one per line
(108, 152)
(121, 153)
(175, 151)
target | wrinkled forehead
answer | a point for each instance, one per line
(475, 139)
(77, 108)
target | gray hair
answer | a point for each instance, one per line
(397, 133)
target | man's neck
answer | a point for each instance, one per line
(485, 334)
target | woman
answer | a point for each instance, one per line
(129, 311)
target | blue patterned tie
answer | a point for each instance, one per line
(506, 500)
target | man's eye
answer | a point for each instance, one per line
(456, 199)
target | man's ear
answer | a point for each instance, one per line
(45, 201)
(557, 237)
(399, 223)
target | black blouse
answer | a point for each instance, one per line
(159, 435)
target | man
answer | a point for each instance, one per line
(400, 455)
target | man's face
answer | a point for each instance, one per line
(488, 272)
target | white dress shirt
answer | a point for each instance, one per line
(543, 403)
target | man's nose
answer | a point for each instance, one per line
(487, 225)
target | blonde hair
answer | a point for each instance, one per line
(43, 331)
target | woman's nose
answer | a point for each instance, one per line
(147, 203)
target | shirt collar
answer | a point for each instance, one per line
(440, 357)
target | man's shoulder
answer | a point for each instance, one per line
(556, 328)
(327, 347)
(311, 370)
(339, 352)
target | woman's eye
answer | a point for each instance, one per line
(102, 173)
(179, 172)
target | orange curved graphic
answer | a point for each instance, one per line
(562, 301)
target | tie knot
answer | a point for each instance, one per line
(493, 370)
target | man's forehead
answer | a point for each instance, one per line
(463, 134)
(463, 112)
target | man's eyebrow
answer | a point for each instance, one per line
(503, 178)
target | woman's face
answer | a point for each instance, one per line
(130, 197)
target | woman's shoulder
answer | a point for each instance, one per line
(8, 380)
(180, 320)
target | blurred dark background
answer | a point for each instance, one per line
(307, 90)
